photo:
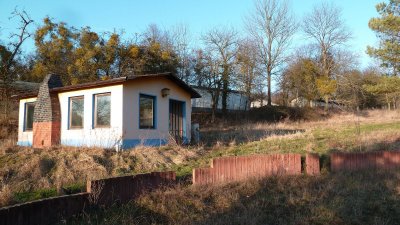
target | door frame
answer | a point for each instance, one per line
(184, 125)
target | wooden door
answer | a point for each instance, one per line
(176, 120)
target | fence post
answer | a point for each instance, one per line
(312, 164)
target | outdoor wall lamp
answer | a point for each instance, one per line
(165, 92)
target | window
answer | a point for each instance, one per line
(146, 112)
(102, 110)
(76, 109)
(29, 110)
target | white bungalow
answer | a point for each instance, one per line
(236, 100)
(118, 113)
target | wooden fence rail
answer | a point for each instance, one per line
(367, 160)
(106, 192)
(238, 168)
(45, 211)
(123, 189)
(312, 166)
(99, 192)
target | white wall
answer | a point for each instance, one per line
(90, 136)
(132, 135)
(235, 100)
(25, 138)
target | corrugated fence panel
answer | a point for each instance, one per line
(123, 189)
(45, 211)
(236, 168)
(367, 160)
(312, 164)
(99, 192)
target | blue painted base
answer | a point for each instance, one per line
(132, 143)
(185, 141)
(24, 143)
(87, 142)
(126, 143)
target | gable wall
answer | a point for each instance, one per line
(132, 135)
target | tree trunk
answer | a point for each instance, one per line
(225, 86)
(388, 102)
(214, 105)
(269, 89)
(213, 109)
(224, 96)
(326, 103)
(212, 115)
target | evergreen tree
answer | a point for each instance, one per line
(387, 29)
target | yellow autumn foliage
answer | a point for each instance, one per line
(134, 52)
(165, 55)
(326, 86)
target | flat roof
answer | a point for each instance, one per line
(119, 80)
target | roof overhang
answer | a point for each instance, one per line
(193, 93)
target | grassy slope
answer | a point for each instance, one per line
(28, 174)
(342, 135)
(359, 198)
(342, 198)
(377, 131)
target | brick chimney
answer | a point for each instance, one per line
(47, 116)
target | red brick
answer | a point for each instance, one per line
(46, 134)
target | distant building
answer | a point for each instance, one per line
(259, 103)
(236, 100)
(302, 102)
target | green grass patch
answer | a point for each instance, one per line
(28, 196)
(75, 188)
(319, 140)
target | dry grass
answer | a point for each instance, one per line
(25, 169)
(8, 134)
(352, 198)
(252, 131)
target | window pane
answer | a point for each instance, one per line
(146, 112)
(76, 112)
(29, 110)
(103, 110)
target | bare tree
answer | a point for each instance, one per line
(9, 55)
(222, 45)
(248, 75)
(325, 26)
(208, 75)
(181, 40)
(272, 25)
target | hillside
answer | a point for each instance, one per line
(348, 198)
(27, 174)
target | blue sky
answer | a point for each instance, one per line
(200, 15)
